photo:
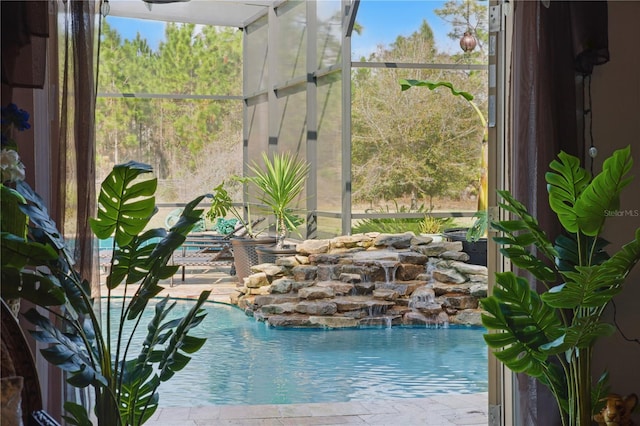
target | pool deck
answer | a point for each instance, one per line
(441, 410)
(218, 280)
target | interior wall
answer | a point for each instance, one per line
(616, 124)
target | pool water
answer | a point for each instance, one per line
(247, 362)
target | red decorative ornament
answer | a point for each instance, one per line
(468, 42)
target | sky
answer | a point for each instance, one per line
(382, 22)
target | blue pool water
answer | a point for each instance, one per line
(247, 362)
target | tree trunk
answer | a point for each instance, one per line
(282, 232)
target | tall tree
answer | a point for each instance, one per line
(179, 137)
(418, 145)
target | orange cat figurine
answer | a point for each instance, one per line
(617, 411)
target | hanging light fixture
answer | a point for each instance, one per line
(468, 42)
(105, 8)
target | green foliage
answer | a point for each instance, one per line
(435, 225)
(387, 225)
(519, 235)
(580, 206)
(480, 226)
(526, 324)
(77, 415)
(19, 252)
(179, 137)
(101, 356)
(550, 336)
(281, 180)
(391, 225)
(12, 219)
(431, 85)
(405, 144)
(124, 204)
(222, 204)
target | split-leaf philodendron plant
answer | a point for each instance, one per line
(40, 269)
(550, 336)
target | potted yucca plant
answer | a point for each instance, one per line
(280, 181)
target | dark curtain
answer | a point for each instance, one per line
(76, 155)
(77, 133)
(25, 28)
(553, 49)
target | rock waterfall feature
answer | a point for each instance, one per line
(366, 280)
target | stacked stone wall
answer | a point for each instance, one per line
(366, 280)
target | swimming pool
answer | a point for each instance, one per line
(247, 362)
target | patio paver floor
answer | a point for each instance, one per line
(442, 410)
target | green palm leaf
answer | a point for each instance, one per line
(590, 252)
(221, 203)
(138, 396)
(523, 232)
(37, 287)
(66, 351)
(594, 286)
(18, 252)
(565, 187)
(588, 287)
(12, 219)
(582, 334)
(525, 323)
(43, 290)
(77, 414)
(78, 296)
(125, 204)
(38, 214)
(188, 218)
(134, 261)
(406, 84)
(599, 392)
(157, 261)
(603, 194)
(157, 332)
(281, 182)
(172, 359)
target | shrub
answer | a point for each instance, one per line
(392, 225)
